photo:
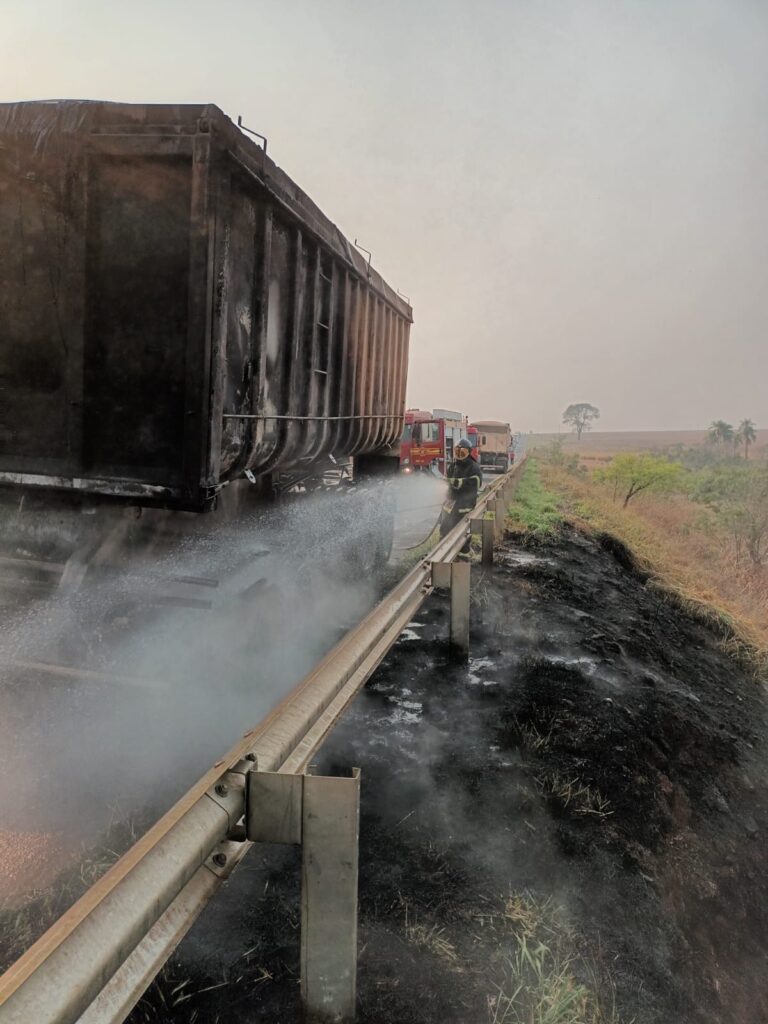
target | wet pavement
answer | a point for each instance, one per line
(114, 701)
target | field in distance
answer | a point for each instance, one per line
(597, 444)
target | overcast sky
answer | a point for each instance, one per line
(573, 193)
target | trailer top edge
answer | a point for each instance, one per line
(47, 118)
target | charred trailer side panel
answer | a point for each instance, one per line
(175, 311)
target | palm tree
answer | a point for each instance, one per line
(720, 432)
(746, 435)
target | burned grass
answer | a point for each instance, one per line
(570, 828)
(601, 750)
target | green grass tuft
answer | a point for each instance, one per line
(534, 508)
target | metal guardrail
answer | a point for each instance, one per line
(95, 962)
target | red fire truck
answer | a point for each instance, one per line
(473, 437)
(429, 439)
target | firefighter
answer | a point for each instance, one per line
(464, 482)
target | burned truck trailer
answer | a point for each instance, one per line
(176, 314)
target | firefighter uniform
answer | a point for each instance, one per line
(464, 482)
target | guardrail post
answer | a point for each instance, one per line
(329, 897)
(514, 478)
(488, 532)
(441, 575)
(460, 579)
(322, 814)
(501, 511)
(106, 949)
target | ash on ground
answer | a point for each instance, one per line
(590, 790)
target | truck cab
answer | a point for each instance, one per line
(494, 440)
(429, 438)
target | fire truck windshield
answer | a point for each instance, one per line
(427, 432)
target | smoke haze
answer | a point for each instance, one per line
(574, 195)
(167, 688)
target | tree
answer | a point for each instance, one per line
(746, 435)
(630, 474)
(580, 416)
(720, 432)
(738, 495)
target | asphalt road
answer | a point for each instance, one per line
(112, 700)
(139, 697)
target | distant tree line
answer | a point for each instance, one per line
(737, 497)
(718, 475)
(733, 491)
(722, 433)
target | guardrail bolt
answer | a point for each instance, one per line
(222, 788)
(219, 859)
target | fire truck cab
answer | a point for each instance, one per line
(429, 439)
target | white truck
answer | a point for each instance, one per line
(494, 443)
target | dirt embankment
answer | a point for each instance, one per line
(589, 792)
